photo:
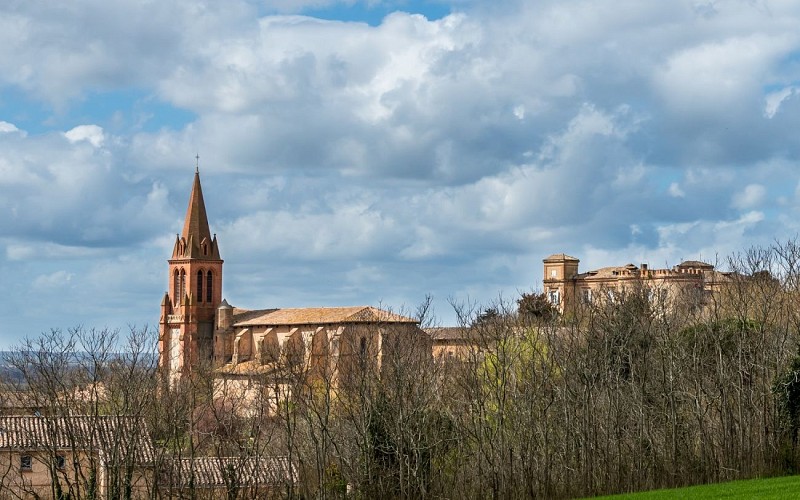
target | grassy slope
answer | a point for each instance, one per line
(778, 487)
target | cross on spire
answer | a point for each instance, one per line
(197, 164)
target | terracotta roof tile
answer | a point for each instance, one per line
(318, 316)
(229, 471)
(112, 434)
(561, 256)
(449, 333)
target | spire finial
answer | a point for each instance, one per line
(197, 163)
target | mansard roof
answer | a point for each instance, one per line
(317, 316)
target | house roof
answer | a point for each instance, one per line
(445, 333)
(117, 436)
(606, 272)
(696, 264)
(229, 471)
(317, 316)
(561, 257)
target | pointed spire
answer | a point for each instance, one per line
(195, 228)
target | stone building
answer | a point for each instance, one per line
(690, 282)
(197, 325)
(37, 452)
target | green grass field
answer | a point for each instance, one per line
(777, 487)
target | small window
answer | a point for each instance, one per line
(363, 348)
(61, 462)
(25, 463)
(554, 298)
(587, 296)
(553, 273)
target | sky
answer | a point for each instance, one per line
(376, 152)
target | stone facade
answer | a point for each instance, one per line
(688, 282)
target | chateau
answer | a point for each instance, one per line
(566, 287)
(198, 326)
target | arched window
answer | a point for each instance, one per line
(176, 288)
(182, 288)
(209, 286)
(199, 286)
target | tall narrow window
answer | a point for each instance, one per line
(209, 286)
(183, 285)
(176, 288)
(363, 349)
(199, 286)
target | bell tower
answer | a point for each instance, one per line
(186, 329)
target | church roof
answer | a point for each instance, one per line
(318, 316)
(196, 234)
(196, 222)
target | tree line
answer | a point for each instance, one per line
(618, 395)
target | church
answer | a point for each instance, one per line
(198, 326)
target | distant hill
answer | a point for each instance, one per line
(8, 373)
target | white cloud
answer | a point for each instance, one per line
(90, 133)
(714, 76)
(675, 190)
(6, 128)
(750, 197)
(50, 281)
(773, 100)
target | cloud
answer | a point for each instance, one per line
(675, 190)
(57, 279)
(344, 162)
(7, 128)
(89, 133)
(750, 197)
